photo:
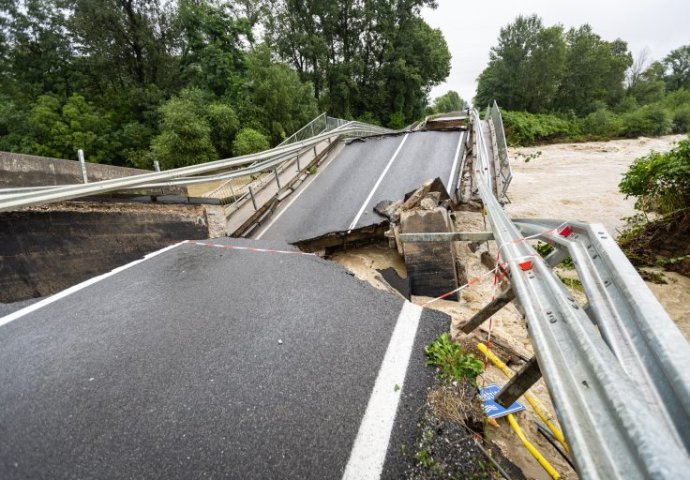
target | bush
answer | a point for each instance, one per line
(224, 124)
(450, 360)
(525, 129)
(603, 124)
(660, 181)
(397, 121)
(185, 137)
(650, 120)
(681, 119)
(249, 141)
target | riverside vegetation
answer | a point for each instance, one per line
(184, 82)
(556, 85)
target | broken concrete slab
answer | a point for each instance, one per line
(430, 266)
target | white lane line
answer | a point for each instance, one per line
(455, 164)
(371, 444)
(280, 214)
(378, 182)
(80, 286)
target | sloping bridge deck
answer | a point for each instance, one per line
(347, 188)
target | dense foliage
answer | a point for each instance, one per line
(448, 102)
(130, 81)
(365, 58)
(660, 181)
(573, 85)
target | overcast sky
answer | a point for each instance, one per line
(471, 28)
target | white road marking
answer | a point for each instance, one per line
(371, 444)
(80, 286)
(450, 185)
(378, 182)
(275, 219)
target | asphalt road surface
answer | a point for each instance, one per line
(343, 194)
(214, 362)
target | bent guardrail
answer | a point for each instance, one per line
(615, 422)
(202, 173)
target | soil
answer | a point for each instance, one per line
(662, 242)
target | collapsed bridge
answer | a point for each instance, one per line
(615, 367)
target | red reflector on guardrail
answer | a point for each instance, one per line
(565, 231)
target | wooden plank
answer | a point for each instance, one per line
(519, 384)
(493, 307)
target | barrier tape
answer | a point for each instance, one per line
(476, 279)
(563, 229)
(248, 249)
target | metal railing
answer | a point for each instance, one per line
(320, 124)
(236, 190)
(504, 173)
(217, 170)
(595, 359)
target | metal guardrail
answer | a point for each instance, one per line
(504, 173)
(236, 190)
(224, 169)
(613, 414)
(320, 124)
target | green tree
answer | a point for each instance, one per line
(212, 39)
(448, 102)
(525, 67)
(249, 141)
(126, 42)
(595, 71)
(185, 137)
(59, 130)
(361, 56)
(677, 65)
(224, 124)
(35, 53)
(646, 84)
(276, 99)
(660, 181)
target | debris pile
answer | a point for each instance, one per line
(431, 266)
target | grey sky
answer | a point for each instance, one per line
(471, 28)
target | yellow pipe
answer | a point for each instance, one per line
(532, 401)
(535, 453)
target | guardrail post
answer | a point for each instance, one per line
(315, 151)
(275, 172)
(156, 165)
(519, 384)
(82, 163)
(493, 307)
(298, 167)
(251, 194)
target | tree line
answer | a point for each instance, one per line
(559, 84)
(185, 81)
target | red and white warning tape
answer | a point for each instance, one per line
(249, 249)
(500, 271)
(462, 287)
